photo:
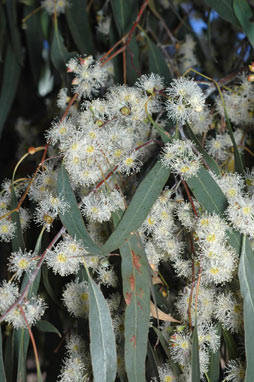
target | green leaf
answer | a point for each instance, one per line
(14, 30)
(136, 291)
(153, 361)
(245, 274)
(225, 9)
(157, 63)
(214, 364)
(208, 159)
(11, 74)
(132, 62)
(2, 31)
(125, 13)
(230, 343)
(2, 371)
(102, 338)
(21, 342)
(8, 357)
(34, 39)
(18, 240)
(207, 192)
(59, 54)
(47, 285)
(72, 219)
(244, 14)
(78, 23)
(195, 366)
(46, 326)
(139, 207)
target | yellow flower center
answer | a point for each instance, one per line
(129, 161)
(4, 228)
(23, 263)
(61, 257)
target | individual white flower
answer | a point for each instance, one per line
(211, 231)
(7, 229)
(54, 205)
(218, 147)
(98, 206)
(238, 102)
(235, 371)
(76, 298)
(166, 374)
(150, 83)
(154, 255)
(107, 276)
(218, 265)
(232, 185)
(180, 157)
(180, 347)
(66, 257)
(75, 345)
(185, 100)
(205, 305)
(73, 370)
(55, 6)
(44, 182)
(9, 292)
(33, 310)
(240, 212)
(25, 217)
(229, 311)
(20, 262)
(90, 76)
(185, 214)
(61, 132)
(63, 98)
(187, 58)
(201, 123)
(130, 164)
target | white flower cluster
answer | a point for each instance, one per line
(33, 309)
(217, 259)
(238, 102)
(187, 58)
(185, 100)
(180, 157)
(77, 361)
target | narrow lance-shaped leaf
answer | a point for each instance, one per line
(34, 39)
(78, 22)
(46, 326)
(139, 207)
(11, 74)
(125, 12)
(157, 63)
(72, 218)
(14, 30)
(244, 14)
(59, 54)
(195, 366)
(214, 361)
(102, 338)
(225, 9)
(2, 371)
(245, 273)
(136, 291)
